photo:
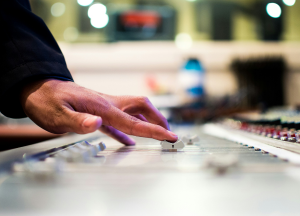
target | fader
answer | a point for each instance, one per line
(190, 140)
(173, 147)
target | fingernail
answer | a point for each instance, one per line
(130, 141)
(88, 122)
(173, 135)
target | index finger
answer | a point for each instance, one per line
(133, 126)
(151, 113)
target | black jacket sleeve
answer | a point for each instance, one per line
(28, 51)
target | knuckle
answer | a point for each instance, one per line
(142, 101)
(105, 105)
(134, 122)
(94, 104)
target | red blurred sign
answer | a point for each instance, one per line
(140, 18)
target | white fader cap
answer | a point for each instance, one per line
(172, 146)
(190, 139)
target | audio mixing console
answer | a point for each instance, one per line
(223, 169)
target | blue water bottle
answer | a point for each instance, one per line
(191, 80)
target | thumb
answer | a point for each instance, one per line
(82, 123)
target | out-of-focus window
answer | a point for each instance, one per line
(198, 20)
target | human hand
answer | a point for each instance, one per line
(62, 106)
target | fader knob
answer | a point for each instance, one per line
(172, 146)
(79, 155)
(190, 140)
(64, 156)
(93, 150)
(101, 146)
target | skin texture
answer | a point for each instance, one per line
(62, 106)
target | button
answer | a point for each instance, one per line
(284, 138)
(292, 139)
(276, 134)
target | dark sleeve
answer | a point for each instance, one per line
(28, 51)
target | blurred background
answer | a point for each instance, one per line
(195, 59)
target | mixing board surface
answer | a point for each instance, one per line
(211, 177)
